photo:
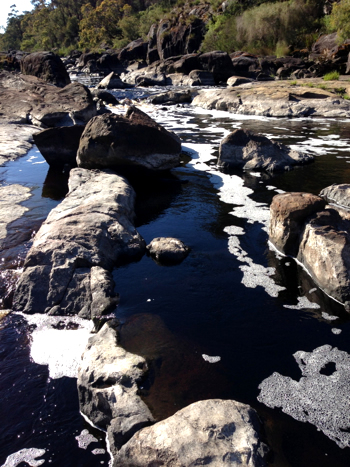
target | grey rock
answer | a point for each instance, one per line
(212, 432)
(337, 194)
(59, 146)
(91, 227)
(237, 80)
(168, 250)
(27, 99)
(145, 77)
(289, 213)
(15, 140)
(47, 66)
(246, 150)
(324, 251)
(201, 78)
(134, 140)
(172, 97)
(108, 381)
(105, 96)
(112, 81)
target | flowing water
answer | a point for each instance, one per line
(216, 326)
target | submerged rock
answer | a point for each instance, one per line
(91, 227)
(248, 151)
(212, 432)
(172, 97)
(168, 250)
(108, 387)
(134, 140)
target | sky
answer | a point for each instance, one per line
(21, 5)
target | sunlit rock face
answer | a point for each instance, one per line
(249, 151)
(67, 270)
(213, 432)
(108, 387)
(320, 397)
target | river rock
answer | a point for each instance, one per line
(172, 97)
(288, 214)
(15, 140)
(108, 381)
(337, 194)
(275, 99)
(237, 80)
(167, 250)
(246, 150)
(325, 252)
(59, 146)
(145, 77)
(91, 227)
(105, 96)
(27, 99)
(219, 63)
(201, 78)
(134, 140)
(112, 81)
(47, 66)
(212, 432)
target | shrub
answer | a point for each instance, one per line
(331, 76)
(339, 19)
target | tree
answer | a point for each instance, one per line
(340, 19)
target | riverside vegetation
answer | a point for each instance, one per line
(257, 26)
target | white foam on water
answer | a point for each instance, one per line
(320, 397)
(85, 438)
(60, 349)
(210, 359)
(336, 331)
(303, 302)
(25, 455)
(328, 317)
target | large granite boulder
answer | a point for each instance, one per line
(67, 270)
(47, 66)
(219, 63)
(135, 50)
(212, 432)
(134, 140)
(59, 146)
(337, 194)
(317, 235)
(248, 151)
(288, 214)
(324, 251)
(108, 382)
(112, 81)
(171, 97)
(27, 99)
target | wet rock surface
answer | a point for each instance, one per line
(337, 194)
(134, 140)
(91, 227)
(248, 151)
(108, 387)
(213, 432)
(167, 250)
(15, 140)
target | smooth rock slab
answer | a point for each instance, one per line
(108, 387)
(337, 194)
(167, 250)
(91, 227)
(248, 151)
(213, 432)
(134, 140)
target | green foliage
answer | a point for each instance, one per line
(339, 19)
(221, 35)
(331, 76)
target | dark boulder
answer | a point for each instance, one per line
(244, 66)
(134, 140)
(47, 66)
(219, 63)
(136, 50)
(59, 146)
(246, 150)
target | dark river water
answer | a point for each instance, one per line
(233, 298)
